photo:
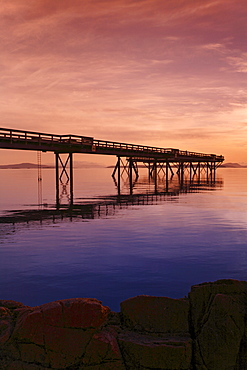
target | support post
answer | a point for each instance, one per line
(172, 172)
(167, 172)
(71, 178)
(181, 173)
(59, 176)
(191, 169)
(135, 168)
(115, 168)
(57, 180)
(149, 171)
(214, 175)
(130, 175)
(119, 176)
(155, 176)
(199, 172)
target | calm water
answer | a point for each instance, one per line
(152, 245)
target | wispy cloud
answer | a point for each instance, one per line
(238, 62)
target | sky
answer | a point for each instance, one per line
(166, 73)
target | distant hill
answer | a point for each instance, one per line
(232, 165)
(21, 166)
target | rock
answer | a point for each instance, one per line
(84, 313)
(52, 314)
(202, 295)
(30, 327)
(208, 331)
(18, 365)
(218, 312)
(11, 304)
(150, 352)
(56, 334)
(104, 366)
(156, 314)
(65, 346)
(5, 324)
(108, 355)
(31, 353)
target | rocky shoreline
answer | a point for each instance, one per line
(206, 331)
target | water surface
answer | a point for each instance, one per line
(155, 245)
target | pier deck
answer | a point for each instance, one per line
(37, 141)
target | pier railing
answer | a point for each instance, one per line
(76, 143)
(38, 137)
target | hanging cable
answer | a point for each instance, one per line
(40, 200)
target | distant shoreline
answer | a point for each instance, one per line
(20, 166)
(30, 166)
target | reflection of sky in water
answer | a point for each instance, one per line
(158, 249)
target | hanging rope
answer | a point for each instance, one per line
(40, 200)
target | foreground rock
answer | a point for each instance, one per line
(163, 340)
(206, 331)
(218, 324)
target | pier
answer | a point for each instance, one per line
(129, 156)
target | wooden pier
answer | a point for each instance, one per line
(129, 156)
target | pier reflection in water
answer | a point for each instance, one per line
(118, 247)
(148, 192)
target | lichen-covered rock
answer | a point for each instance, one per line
(208, 331)
(55, 334)
(150, 352)
(218, 312)
(242, 355)
(202, 295)
(103, 366)
(29, 327)
(156, 314)
(84, 313)
(6, 324)
(32, 353)
(18, 365)
(7, 319)
(65, 346)
(107, 353)
(75, 313)
(11, 304)
(52, 313)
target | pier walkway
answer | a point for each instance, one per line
(28, 140)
